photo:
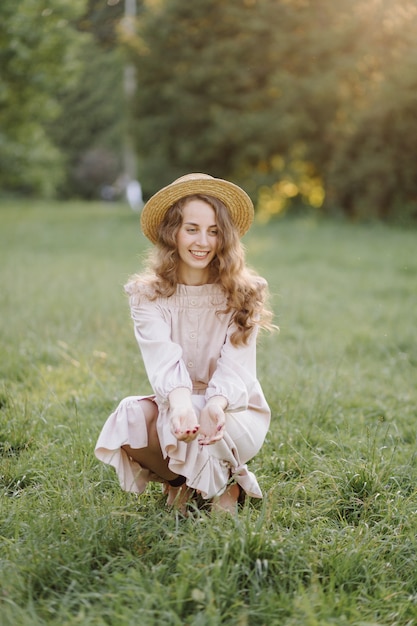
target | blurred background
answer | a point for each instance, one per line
(308, 104)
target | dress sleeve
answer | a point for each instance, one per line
(235, 374)
(162, 357)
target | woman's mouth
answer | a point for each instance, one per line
(198, 254)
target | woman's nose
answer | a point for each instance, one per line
(202, 238)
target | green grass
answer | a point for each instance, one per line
(333, 542)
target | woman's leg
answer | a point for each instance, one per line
(151, 457)
(228, 500)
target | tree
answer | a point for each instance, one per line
(89, 128)
(92, 126)
(204, 87)
(102, 19)
(373, 172)
(37, 55)
(291, 98)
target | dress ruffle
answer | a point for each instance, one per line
(207, 469)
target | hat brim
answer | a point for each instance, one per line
(236, 200)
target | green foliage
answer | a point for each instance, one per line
(334, 540)
(37, 57)
(90, 128)
(235, 88)
(101, 20)
(379, 154)
(306, 104)
(204, 74)
(62, 97)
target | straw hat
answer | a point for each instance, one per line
(233, 197)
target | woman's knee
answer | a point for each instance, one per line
(143, 413)
(138, 410)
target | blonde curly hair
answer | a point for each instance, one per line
(246, 292)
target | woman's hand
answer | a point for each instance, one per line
(184, 423)
(212, 421)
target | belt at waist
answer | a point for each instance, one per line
(199, 387)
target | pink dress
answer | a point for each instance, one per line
(185, 342)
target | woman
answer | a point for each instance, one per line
(196, 314)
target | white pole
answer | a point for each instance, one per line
(129, 155)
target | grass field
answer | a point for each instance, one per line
(333, 542)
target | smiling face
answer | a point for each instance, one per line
(196, 242)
